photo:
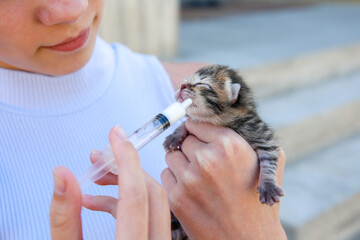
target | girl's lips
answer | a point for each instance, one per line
(71, 44)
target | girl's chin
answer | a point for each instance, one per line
(69, 63)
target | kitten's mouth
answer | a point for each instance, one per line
(181, 96)
(181, 99)
(183, 93)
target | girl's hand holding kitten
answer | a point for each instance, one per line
(211, 184)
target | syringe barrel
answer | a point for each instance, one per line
(149, 131)
(139, 139)
(144, 135)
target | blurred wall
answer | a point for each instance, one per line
(146, 26)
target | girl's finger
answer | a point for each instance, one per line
(95, 155)
(65, 220)
(132, 209)
(190, 145)
(205, 132)
(159, 211)
(100, 203)
(109, 178)
(177, 162)
(168, 180)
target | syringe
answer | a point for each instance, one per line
(139, 139)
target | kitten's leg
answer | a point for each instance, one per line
(174, 140)
(270, 192)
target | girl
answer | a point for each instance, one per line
(62, 88)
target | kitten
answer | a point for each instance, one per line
(221, 97)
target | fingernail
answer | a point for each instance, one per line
(120, 132)
(59, 184)
(95, 152)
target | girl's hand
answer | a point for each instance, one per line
(139, 194)
(142, 210)
(211, 184)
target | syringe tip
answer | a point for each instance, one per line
(185, 104)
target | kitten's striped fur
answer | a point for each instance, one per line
(221, 97)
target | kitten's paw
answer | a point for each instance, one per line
(270, 193)
(172, 142)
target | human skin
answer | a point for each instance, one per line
(143, 214)
(211, 184)
(213, 179)
(28, 27)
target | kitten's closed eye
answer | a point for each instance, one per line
(189, 86)
(203, 85)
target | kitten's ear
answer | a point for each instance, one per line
(235, 89)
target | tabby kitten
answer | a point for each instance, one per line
(221, 97)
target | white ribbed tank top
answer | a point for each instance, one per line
(51, 121)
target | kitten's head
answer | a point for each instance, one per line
(215, 91)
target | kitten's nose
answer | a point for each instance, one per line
(184, 86)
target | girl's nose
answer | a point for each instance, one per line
(61, 11)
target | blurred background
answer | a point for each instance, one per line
(302, 58)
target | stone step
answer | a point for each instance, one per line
(274, 78)
(316, 116)
(281, 49)
(250, 40)
(323, 194)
